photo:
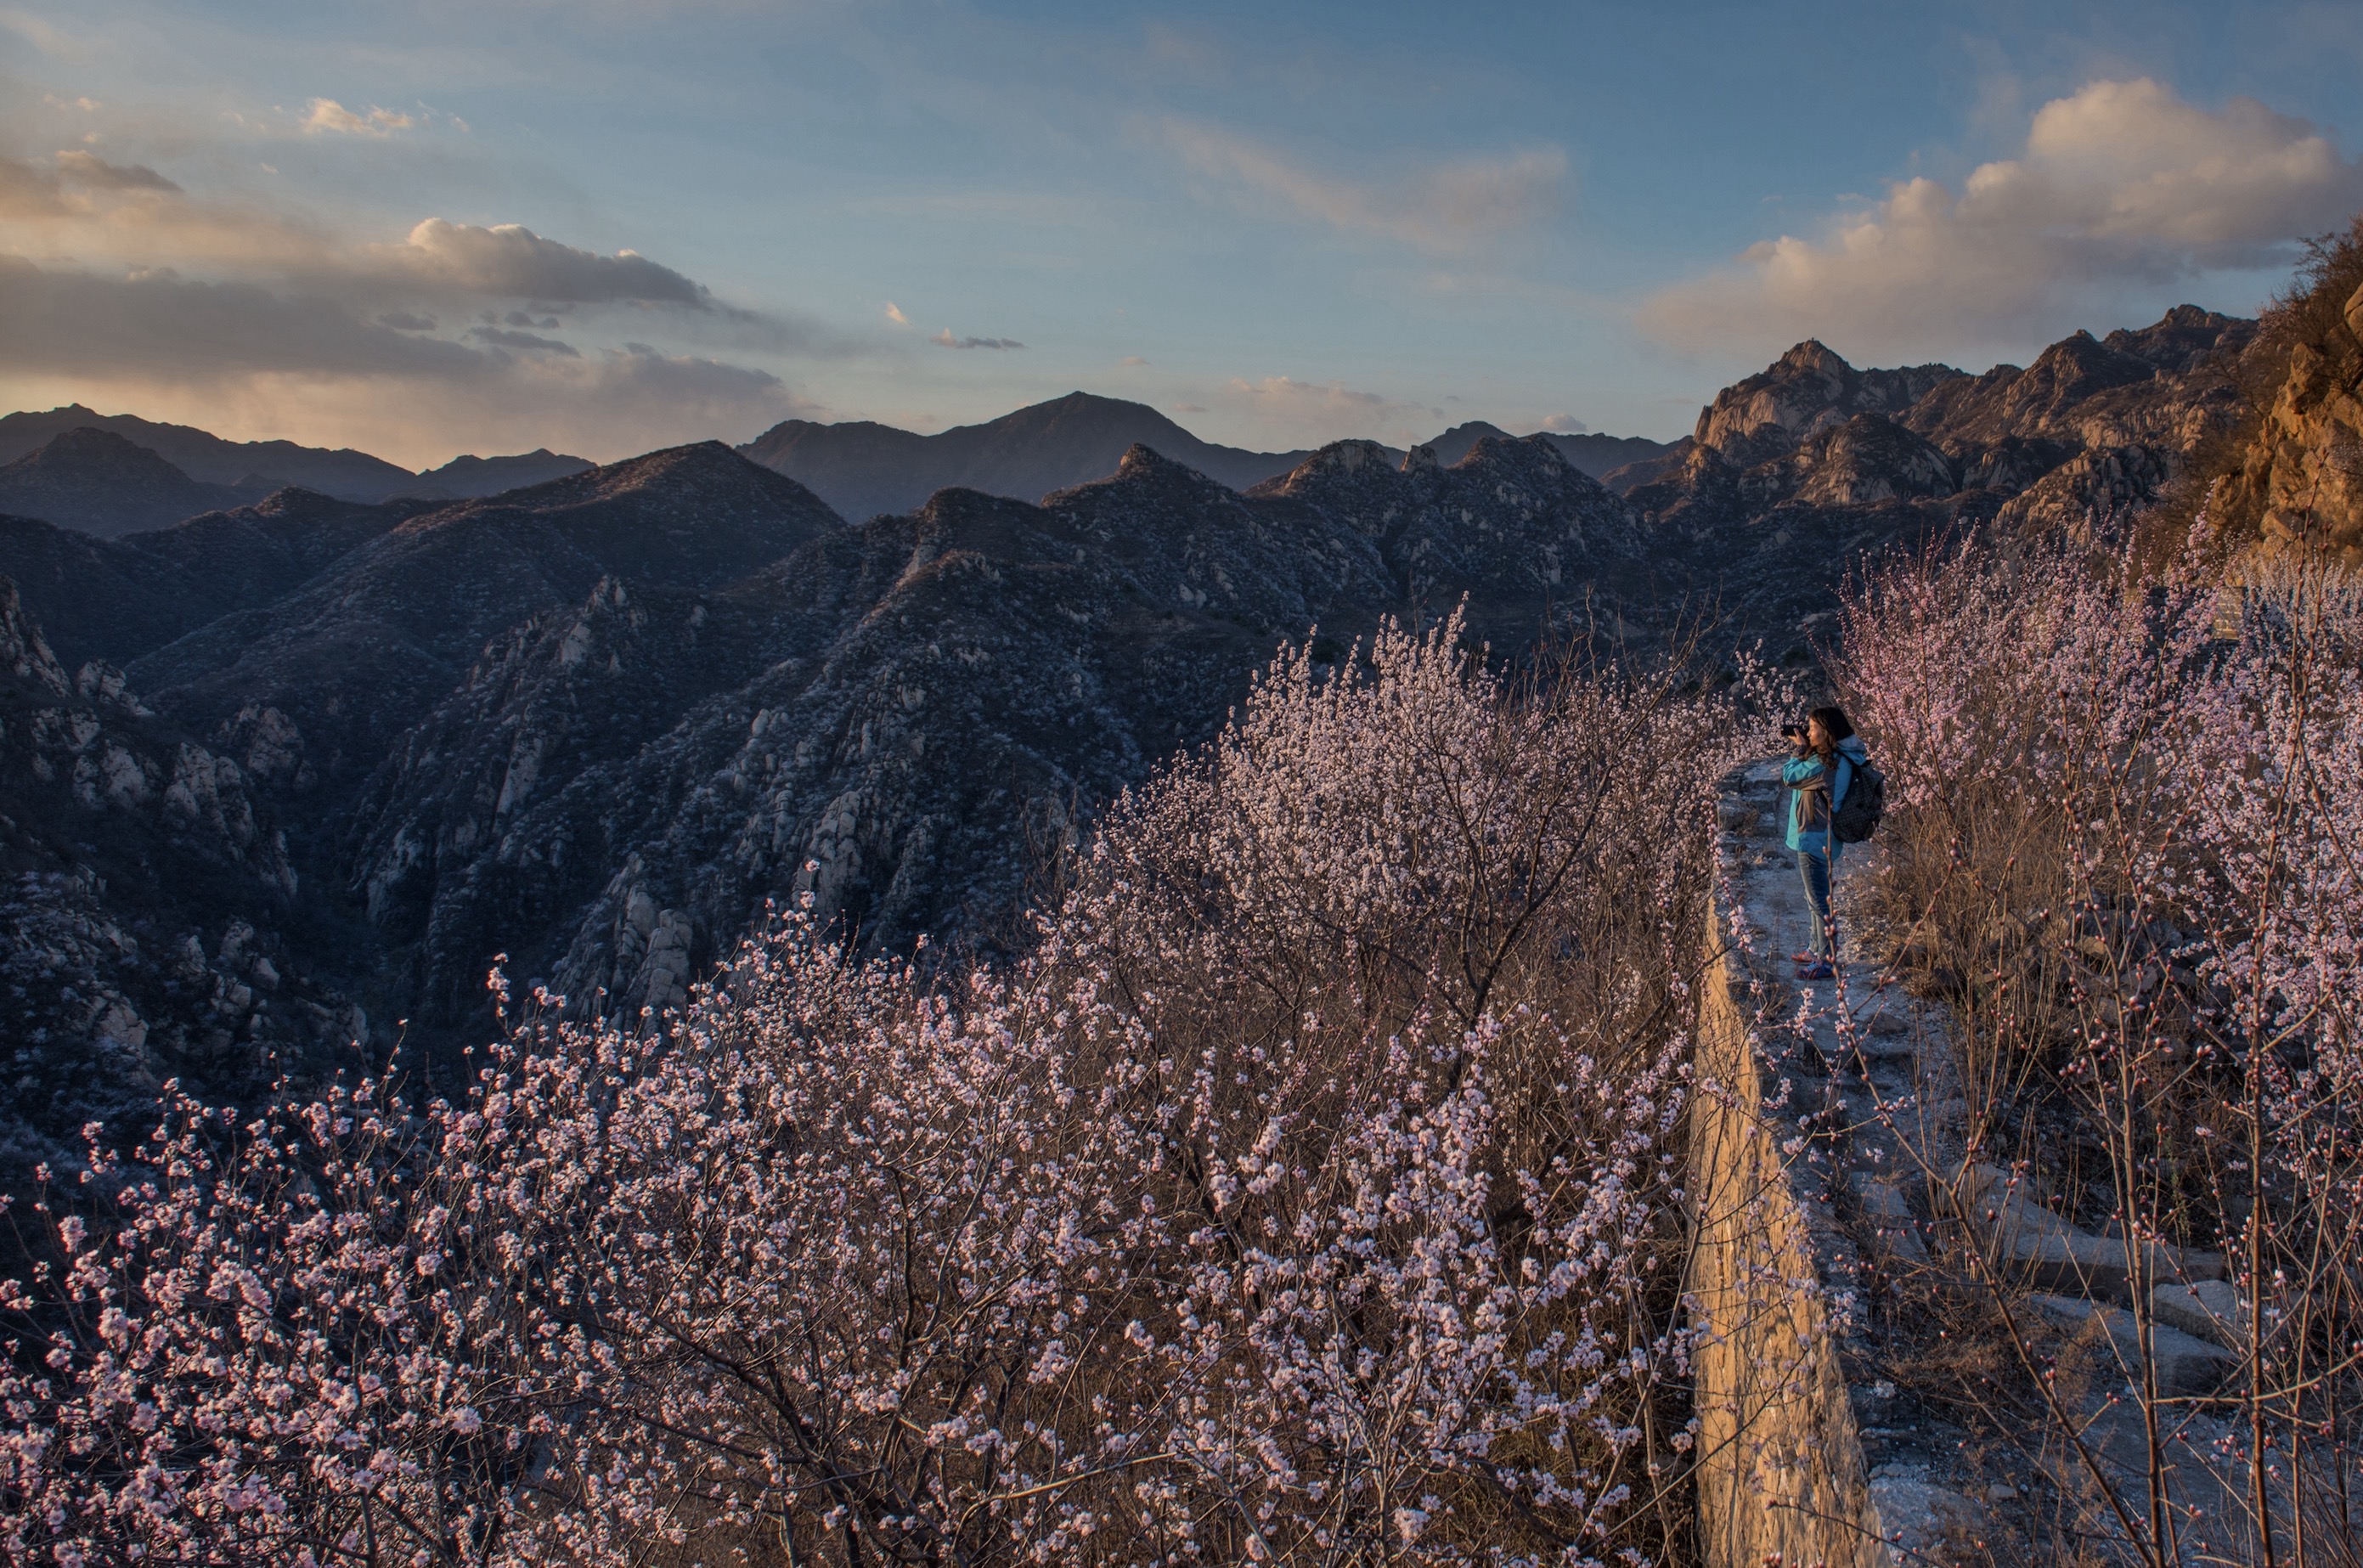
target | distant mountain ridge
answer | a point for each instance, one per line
(863, 468)
(104, 483)
(349, 475)
(859, 468)
(207, 472)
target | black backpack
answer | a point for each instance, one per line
(1858, 815)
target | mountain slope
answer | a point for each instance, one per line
(146, 902)
(901, 718)
(103, 484)
(366, 648)
(906, 706)
(116, 599)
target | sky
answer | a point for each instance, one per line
(428, 227)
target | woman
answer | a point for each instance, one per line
(1822, 766)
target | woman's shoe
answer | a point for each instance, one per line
(1816, 970)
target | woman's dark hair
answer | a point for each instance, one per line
(1835, 724)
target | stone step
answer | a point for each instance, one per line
(2187, 1366)
(2212, 1309)
(2027, 1241)
(1893, 1227)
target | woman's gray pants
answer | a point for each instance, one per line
(1813, 866)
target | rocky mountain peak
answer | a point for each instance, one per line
(1806, 389)
(1814, 358)
(1337, 458)
(2184, 338)
(1532, 456)
(698, 465)
(1141, 460)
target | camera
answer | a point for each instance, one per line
(1793, 732)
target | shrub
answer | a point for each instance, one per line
(2130, 850)
(1310, 1192)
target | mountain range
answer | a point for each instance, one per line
(115, 473)
(863, 469)
(112, 474)
(290, 773)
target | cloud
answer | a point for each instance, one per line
(1559, 424)
(895, 314)
(1310, 412)
(946, 340)
(89, 169)
(155, 323)
(313, 367)
(502, 338)
(510, 260)
(327, 114)
(1131, 360)
(227, 307)
(2121, 183)
(1446, 208)
(29, 193)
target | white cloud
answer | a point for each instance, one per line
(895, 314)
(327, 114)
(1564, 425)
(1446, 208)
(2120, 183)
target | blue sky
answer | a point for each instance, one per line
(399, 226)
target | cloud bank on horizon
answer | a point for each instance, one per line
(2119, 180)
(348, 240)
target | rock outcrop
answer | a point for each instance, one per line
(2299, 483)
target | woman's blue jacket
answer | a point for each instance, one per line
(1814, 836)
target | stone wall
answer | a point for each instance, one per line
(1781, 1476)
